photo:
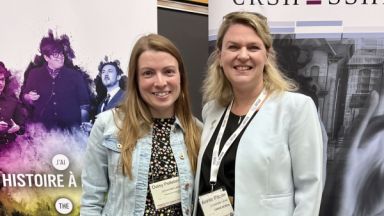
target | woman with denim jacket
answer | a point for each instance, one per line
(141, 156)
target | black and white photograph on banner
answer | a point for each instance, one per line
(345, 80)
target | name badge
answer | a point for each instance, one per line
(166, 192)
(216, 203)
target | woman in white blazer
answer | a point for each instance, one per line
(261, 150)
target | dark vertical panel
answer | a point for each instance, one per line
(189, 32)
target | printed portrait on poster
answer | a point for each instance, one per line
(61, 63)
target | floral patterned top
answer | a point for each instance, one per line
(162, 166)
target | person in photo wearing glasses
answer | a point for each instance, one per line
(55, 92)
(261, 149)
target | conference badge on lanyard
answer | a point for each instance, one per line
(216, 203)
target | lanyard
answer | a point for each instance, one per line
(216, 157)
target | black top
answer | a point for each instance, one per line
(226, 173)
(162, 165)
(112, 102)
(60, 98)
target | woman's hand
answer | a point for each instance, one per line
(14, 128)
(3, 126)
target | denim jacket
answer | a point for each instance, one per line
(106, 191)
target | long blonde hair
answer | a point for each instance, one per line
(134, 114)
(217, 87)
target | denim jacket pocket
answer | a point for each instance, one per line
(111, 142)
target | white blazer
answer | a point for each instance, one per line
(279, 160)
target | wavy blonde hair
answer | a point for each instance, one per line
(134, 114)
(217, 87)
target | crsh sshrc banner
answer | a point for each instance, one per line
(334, 49)
(51, 89)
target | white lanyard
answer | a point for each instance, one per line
(216, 157)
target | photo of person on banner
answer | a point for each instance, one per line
(110, 74)
(141, 156)
(261, 149)
(110, 89)
(54, 90)
(12, 113)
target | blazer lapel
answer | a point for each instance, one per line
(115, 100)
(212, 120)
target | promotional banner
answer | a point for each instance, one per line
(334, 50)
(53, 55)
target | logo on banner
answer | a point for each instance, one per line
(313, 2)
(307, 2)
(64, 205)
